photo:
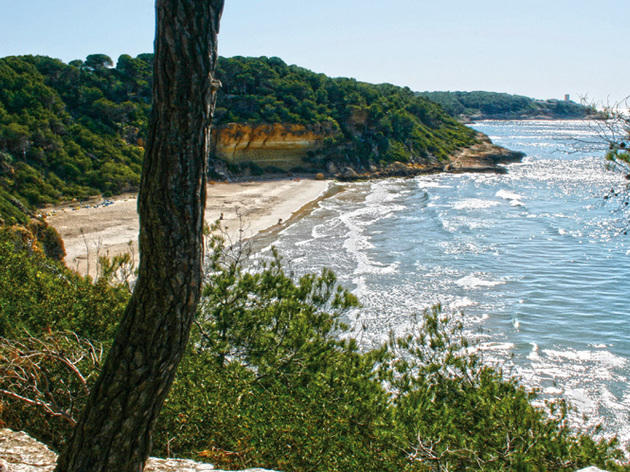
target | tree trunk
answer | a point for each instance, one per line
(114, 433)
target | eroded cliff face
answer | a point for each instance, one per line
(286, 146)
(279, 145)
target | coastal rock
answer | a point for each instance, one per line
(484, 156)
(399, 169)
(279, 145)
(350, 174)
(21, 453)
(282, 146)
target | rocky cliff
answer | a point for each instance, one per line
(285, 147)
(274, 145)
(484, 156)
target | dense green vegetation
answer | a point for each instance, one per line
(272, 377)
(68, 131)
(40, 294)
(492, 105)
(372, 124)
(74, 130)
(44, 308)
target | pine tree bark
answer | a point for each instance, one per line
(114, 432)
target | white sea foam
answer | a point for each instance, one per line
(581, 399)
(379, 193)
(424, 184)
(533, 355)
(472, 282)
(361, 289)
(496, 346)
(461, 302)
(357, 243)
(603, 358)
(507, 195)
(474, 204)
(471, 320)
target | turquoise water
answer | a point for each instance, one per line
(535, 259)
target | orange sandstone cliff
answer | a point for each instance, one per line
(287, 147)
(283, 146)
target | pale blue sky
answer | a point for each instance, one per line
(531, 47)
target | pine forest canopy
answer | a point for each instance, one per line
(75, 130)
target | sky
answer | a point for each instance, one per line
(543, 49)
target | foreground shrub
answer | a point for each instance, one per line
(54, 328)
(272, 380)
(39, 294)
(456, 413)
(269, 382)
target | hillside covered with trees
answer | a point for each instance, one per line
(74, 130)
(503, 106)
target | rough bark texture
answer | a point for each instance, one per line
(114, 433)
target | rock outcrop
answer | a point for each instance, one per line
(284, 147)
(279, 145)
(21, 453)
(482, 157)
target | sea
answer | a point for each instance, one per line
(537, 260)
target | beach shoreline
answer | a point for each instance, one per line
(245, 209)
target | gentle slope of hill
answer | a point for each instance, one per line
(503, 106)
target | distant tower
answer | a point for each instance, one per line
(567, 97)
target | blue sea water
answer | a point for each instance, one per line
(536, 259)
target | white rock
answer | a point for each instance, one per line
(21, 453)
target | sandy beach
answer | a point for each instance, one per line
(95, 229)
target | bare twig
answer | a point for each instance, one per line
(52, 373)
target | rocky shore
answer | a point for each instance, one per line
(284, 147)
(484, 156)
